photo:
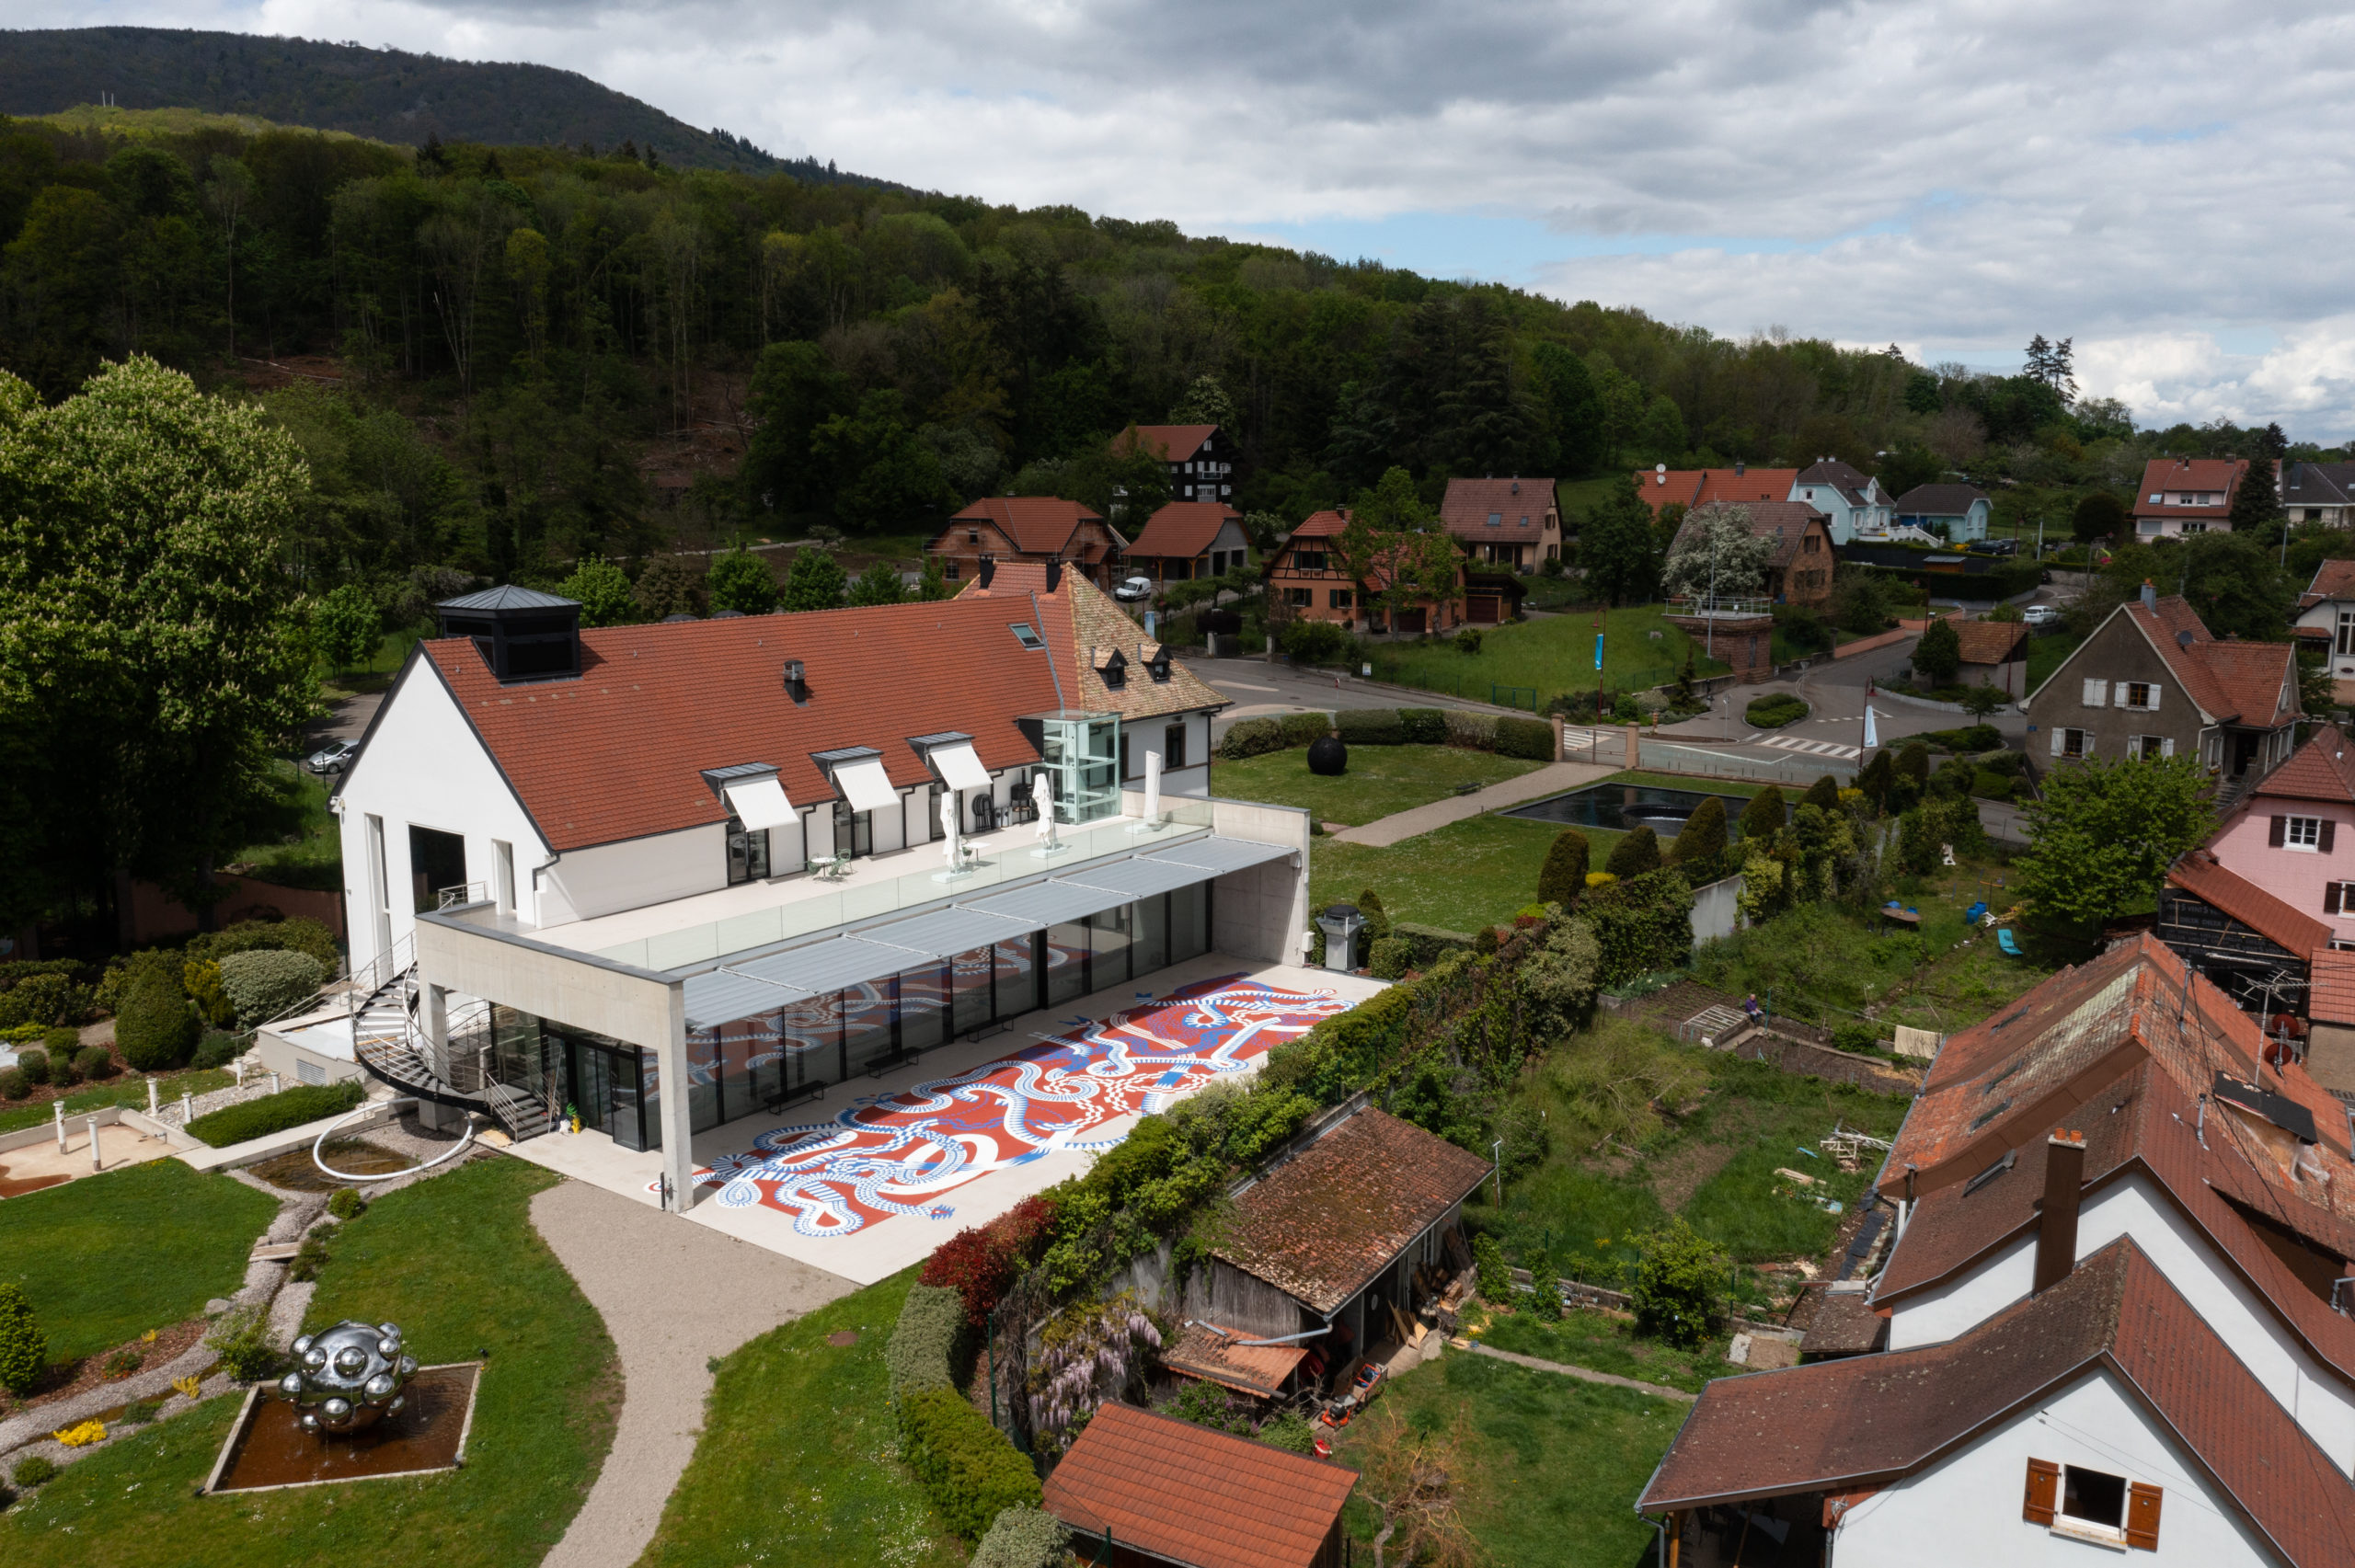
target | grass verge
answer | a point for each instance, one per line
(454, 1261)
(798, 1459)
(1466, 875)
(108, 1258)
(1549, 656)
(1381, 780)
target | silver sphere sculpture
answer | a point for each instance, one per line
(348, 1377)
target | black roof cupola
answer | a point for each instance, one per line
(521, 633)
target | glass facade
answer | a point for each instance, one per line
(1081, 752)
(761, 1063)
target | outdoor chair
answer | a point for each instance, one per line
(2011, 948)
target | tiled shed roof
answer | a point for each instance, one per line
(1692, 486)
(1171, 443)
(1039, 525)
(2200, 875)
(1341, 1211)
(2333, 579)
(1196, 1497)
(1990, 642)
(1260, 1370)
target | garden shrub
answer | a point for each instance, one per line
(927, 1345)
(1641, 924)
(95, 1063)
(1774, 711)
(347, 1204)
(1559, 979)
(294, 935)
(1856, 1037)
(312, 1255)
(201, 980)
(14, 1084)
(981, 1262)
(1824, 794)
(1634, 855)
(217, 1050)
(1544, 1283)
(154, 1028)
(1876, 778)
(275, 1112)
(267, 983)
(1763, 818)
(63, 1073)
(34, 1065)
(1370, 726)
(1302, 729)
(1251, 737)
(972, 1472)
(1564, 877)
(1467, 641)
(1626, 710)
(242, 1340)
(34, 1470)
(1022, 1536)
(61, 1042)
(1288, 1429)
(1390, 958)
(1476, 732)
(1678, 1277)
(24, 1348)
(1703, 838)
(1317, 642)
(1530, 738)
(1424, 726)
(1913, 763)
(1495, 1274)
(1425, 943)
(1989, 784)
(45, 999)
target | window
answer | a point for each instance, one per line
(1299, 598)
(951, 570)
(1026, 636)
(2095, 693)
(1524, 522)
(1811, 544)
(2093, 1504)
(748, 853)
(2310, 835)
(2139, 694)
(2071, 743)
(1337, 597)
(973, 536)
(1313, 561)
(2093, 1495)
(2338, 898)
(2149, 748)
(2346, 633)
(1497, 519)
(503, 859)
(1173, 747)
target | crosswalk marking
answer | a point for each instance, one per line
(1814, 748)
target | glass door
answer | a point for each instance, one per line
(1067, 963)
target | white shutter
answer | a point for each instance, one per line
(2120, 696)
(2058, 738)
(2154, 696)
(2166, 746)
(2096, 693)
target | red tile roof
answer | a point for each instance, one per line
(2244, 682)
(1786, 522)
(1872, 1419)
(1183, 529)
(1319, 1227)
(1323, 524)
(1692, 486)
(2320, 770)
(2333, 579)
(2332, 998)
(1173, 443)
(2165, 475)
(2200, 875)
(1197, 1496)
(1258, 1370)
(1992, 642)
(1039, 525)
(1469, 503)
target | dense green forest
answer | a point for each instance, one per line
(387, 94)
(506, 329)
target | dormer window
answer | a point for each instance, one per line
(1113, 666)
(1154, 656)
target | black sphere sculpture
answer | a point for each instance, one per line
(1327, 756)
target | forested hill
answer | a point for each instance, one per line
(384, 94)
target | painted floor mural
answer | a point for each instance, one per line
(902, 1153)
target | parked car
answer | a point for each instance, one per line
(1996, 546)
(1132, 590)
(332, 758)
(2042, 616)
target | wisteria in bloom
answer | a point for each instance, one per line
(1087, 1355)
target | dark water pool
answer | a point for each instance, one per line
(1623, 807)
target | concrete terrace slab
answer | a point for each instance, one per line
(871, 1179)
(1555, 778)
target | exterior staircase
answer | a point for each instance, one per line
(392, 1048)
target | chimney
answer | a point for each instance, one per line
(1738, 467)
(1054, 574)
(989, 569)
(2150, 596)
(2056, 1235)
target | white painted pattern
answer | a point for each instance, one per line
(1814, 748)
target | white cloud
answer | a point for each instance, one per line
(2154, 181)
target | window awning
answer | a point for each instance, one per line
(760, 802)
(865, 785)
(829, 966)
(959, 767)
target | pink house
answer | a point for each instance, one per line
(2293, 834)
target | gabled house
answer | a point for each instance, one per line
(2292, 834)
(1513, 522)
(2187, 495)
(2114, 1308)
(1852, 501)
(1038, 528)
(1995, 653)
(1801, 569)
(2239, 935)
(1957, 513)
(2152, 682)
(673, 874)
(1690, 488)
(1307, 581)
(1188, 539)
(1200, 458)
(2319, 492)
(2325, 623)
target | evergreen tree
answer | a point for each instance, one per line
(879, 584)
(1937, 658)
(2257, 504)
(933, 585)
(1635, 855)
(1824, 794)
(672, 585)
(1704, 837)
(1569, 409)
(1876, 778)
(815, 581)
(1564, 877)
(1763, 818)
(1913, 765)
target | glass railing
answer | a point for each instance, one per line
(1182, 817)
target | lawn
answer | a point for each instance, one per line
(454, 1261)
(1462, 877)
(798, 1461)
(293, 804)
(1525, 665)
(1545, 1469)
(106, 1258)
(1381, 780)
(128, 1089)
(1606, 1342)
(2045, 654)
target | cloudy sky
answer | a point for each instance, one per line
(2156, 180)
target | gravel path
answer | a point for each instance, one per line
(673, 1295)
(1584, 1374)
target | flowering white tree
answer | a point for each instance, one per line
(1717, 553)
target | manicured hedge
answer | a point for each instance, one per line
(1528, 738)
(972, 1471)
(1424, 726)
(1389, 958)
(276, 1113)
(1476, 732)
(1300, 729)
(1023, 1537)
(927, 1344)
(1774, 711)
(1370, 726)
(1251, 737)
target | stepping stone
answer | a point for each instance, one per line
(272, 1251)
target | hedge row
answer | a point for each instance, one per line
(275, 1112)
(1411, 946)
(1257, 737)
(929, 1341)
(1529, 737)
(972, 1470)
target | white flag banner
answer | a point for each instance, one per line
(1872, 731)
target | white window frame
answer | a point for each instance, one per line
(2077, 1525)
(2302, 834)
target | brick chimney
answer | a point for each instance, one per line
(2150, 596)
(2056, 1236)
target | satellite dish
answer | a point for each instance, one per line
(2183, 639)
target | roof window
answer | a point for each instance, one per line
(1025, 634)
(2011, 1157)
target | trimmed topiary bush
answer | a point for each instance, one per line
(1370, 726)
(1023, 1537)
(1824, 794)
(275, 1112)
(347, 1204)
(972, 1471)
(24, 1348)
(293, 935)
(14, 1084)
(1300, 729)
(267, 983)
(1390, 958)
(1635, 855)
(1251, 737)
(155, 1029)
(34, 1470)
(1377, 919)
(1424, 726)
(34, 1065)
(1564, 877)
(61, 1042)
(1531, 738)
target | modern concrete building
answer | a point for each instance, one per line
(673, 875)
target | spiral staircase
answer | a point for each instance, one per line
(391, 1045)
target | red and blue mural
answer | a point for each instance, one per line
(902, 1153)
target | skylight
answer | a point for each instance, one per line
(1028, 636)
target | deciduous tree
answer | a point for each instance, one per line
(2104, 834)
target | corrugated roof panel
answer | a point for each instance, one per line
(1222, 855)
(1049, 903)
